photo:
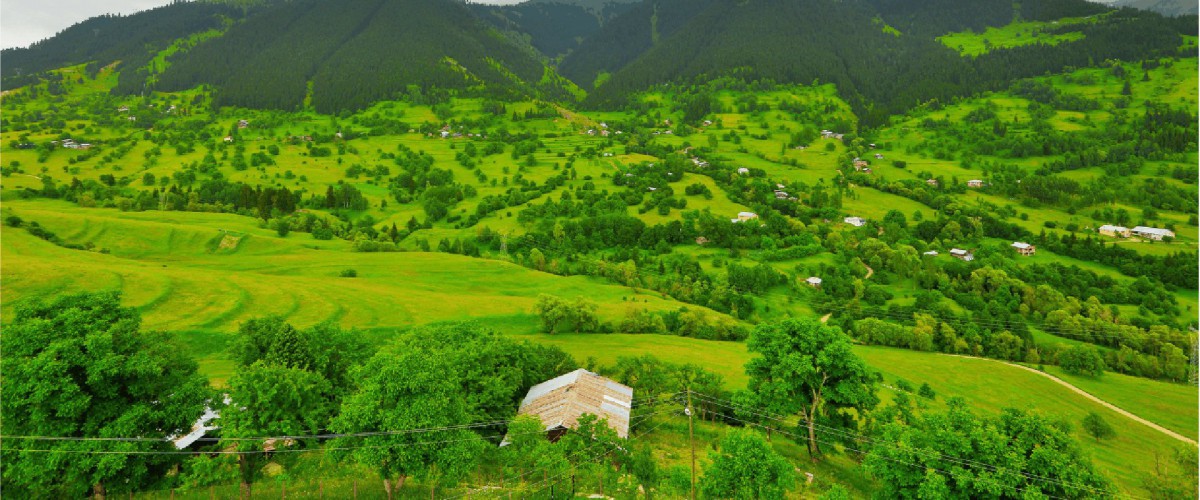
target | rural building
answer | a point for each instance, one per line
(743, 170)
(961, 254)
(878, 156)
(745, 216)
(975, 183)
(931, 182)
(855, 221)
(700, 240)
(1114, 231)
(243, 123)
(199, 429)
(781, 195)
(559, 402)
(860, 164)
(932, 253)
(1024, 248)
(813, 281)
(1152, 233)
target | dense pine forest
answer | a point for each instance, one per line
(809, 249)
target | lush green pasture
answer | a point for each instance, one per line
(1173, 406)
(985, 384)
(1015, 34)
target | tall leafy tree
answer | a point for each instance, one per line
(805, 367)
(493, 370)
(746, 467)
(957, 454)
(399, 390)
(79, 367)
(272, 400)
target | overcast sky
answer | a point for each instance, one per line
(23, 22)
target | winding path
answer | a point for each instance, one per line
(1102, 402)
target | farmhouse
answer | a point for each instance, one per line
(1114, 231)
(878, 156)
(1152, 233)
(961, 254)
(975, 183)
(243, 123)
(931, 182)
(559, 402)
(1024, 248)
(781, 195)
(813, 281)
(745, 216)
(743, 170)
(932, 253)
(855, 221)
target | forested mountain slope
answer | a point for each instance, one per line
(354, 53)
(879, 70)
(1164, 7)
(554, 28)
(130, 39)
(629, 36)
(933, 18)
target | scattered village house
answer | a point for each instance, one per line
(743, 170)
(1114, 231)
(932, 253)
(745, 216)
(1152, 233)
(559, 402)
(961, 254)
(1024, 248)
(931, 182)
(855, 221)
(974, 183)
(813, 281)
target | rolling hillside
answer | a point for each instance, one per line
(346, 55)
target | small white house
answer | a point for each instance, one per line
(743, 171)
(1114, 231)
(745, 216)
(961, 254)
(1024, 248)
(1152, 233)
(813, 281)
(932, 253)
(855, 221)
(975, 183)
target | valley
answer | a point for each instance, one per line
(649, 192)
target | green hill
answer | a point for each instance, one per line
(346, 55)
(879, 67)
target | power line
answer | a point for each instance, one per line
(851, 434)
(284, 450)
(649, 401)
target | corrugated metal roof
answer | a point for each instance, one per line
(562, 400)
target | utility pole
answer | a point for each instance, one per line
(692, 441)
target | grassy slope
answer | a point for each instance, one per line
(165, 266)
(987, 385)
(1014, 34)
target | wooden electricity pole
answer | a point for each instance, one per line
(692, 441)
